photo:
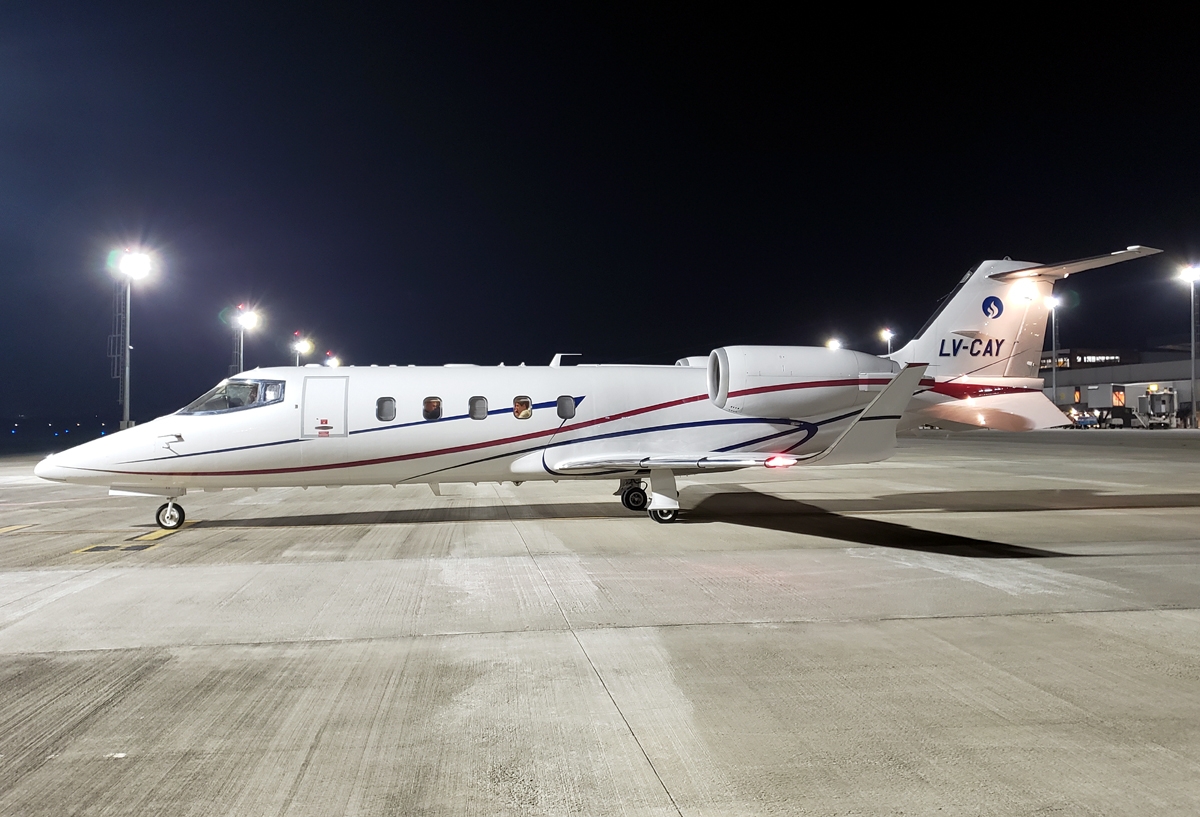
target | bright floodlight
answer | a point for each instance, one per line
(1189, 274)
(834, 343)
(248, 320)
(303, 346)
(135, 264)
(1052, 302)
(333, 362)
(887, 334)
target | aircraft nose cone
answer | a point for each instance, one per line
(50, 469)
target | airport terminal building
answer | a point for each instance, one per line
(1086, 377)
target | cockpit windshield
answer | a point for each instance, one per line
(234, 395)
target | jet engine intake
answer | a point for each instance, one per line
(794, 381)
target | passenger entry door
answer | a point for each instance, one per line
(324, 407)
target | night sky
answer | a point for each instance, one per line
(478, 184)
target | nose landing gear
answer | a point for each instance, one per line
(170, 516)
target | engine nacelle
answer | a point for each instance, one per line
(794, 381)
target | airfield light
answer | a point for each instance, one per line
(1052, 302)
(887, 335)
(301, 346)
(134, 264)
(244, 319)
(331, 361)
(834, 343)
(1190, 274)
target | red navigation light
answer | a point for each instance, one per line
(780, 461)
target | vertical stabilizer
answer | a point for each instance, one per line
(994, 322)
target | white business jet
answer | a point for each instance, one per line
(739, 407)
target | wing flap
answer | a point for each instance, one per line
(706, 461)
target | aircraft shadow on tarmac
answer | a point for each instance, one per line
(416, 516)
(744, 506)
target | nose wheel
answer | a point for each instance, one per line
(170, 516)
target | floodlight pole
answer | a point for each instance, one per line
(1193, 395)
(239, 341)
(1054, 353)
(239, 338)
(125, 376)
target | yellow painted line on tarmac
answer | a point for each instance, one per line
(11, 528)
(159, 534)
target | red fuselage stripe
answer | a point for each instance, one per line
(458, 449)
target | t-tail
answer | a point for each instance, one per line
(985, 343)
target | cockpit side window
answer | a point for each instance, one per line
(234, 395)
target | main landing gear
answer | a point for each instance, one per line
(170, 515)
(633, 494)
(635, 498)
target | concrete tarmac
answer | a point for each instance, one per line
(986, 624)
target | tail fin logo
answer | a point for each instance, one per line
(993, 307)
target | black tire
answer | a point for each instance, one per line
(635, 499)
(664, 515)
(170, 516)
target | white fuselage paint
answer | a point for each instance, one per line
(321, 435)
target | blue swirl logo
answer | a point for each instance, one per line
(993, 307)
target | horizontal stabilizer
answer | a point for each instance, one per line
(1053, 272)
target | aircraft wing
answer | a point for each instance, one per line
(871, 437)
